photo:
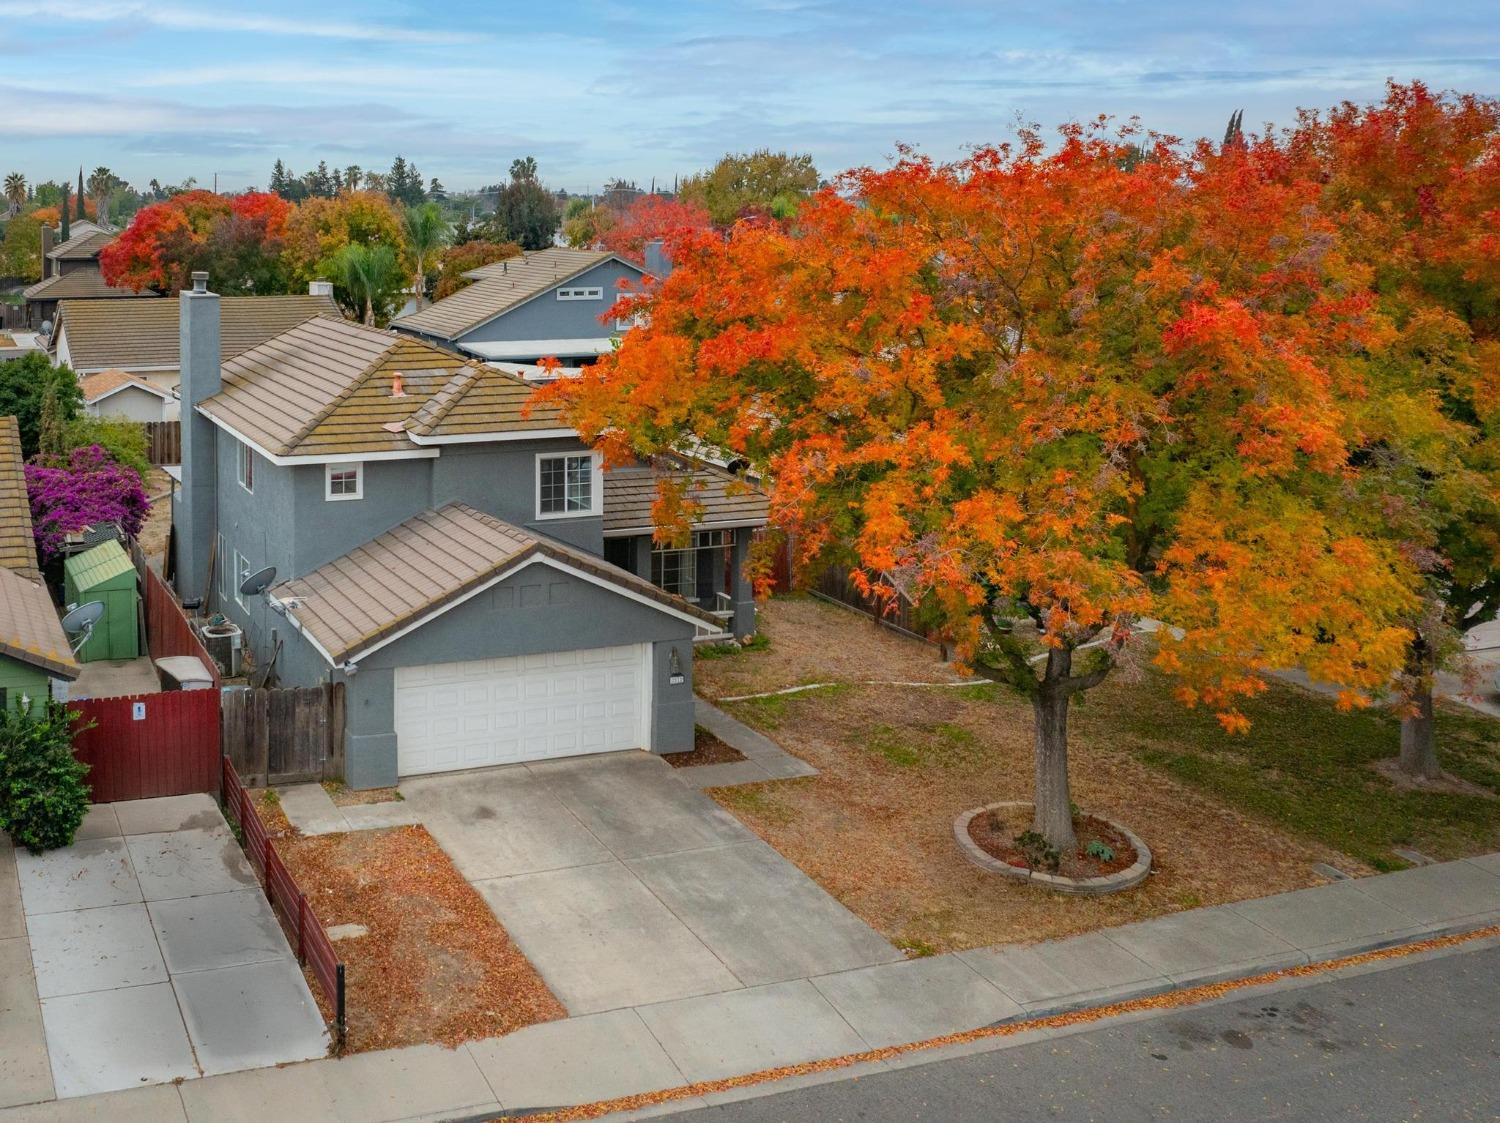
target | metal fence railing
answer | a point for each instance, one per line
(305, 931)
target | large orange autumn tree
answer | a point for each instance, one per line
(1046, 392)
(238, 239)
(1413, 186)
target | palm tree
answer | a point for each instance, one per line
(102, 184)
(426, 233)
(15, 191)
(369, 275)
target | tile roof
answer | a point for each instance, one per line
(499, 287)
(481, 399)
(81, 247)
(724, 500)
(148, 336)
(80, 284)
(17, 546)
(105, 382)
(422, 567)
(29, 628)
(324, 388)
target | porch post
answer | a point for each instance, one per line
(741, 592)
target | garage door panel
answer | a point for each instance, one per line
(533, 707)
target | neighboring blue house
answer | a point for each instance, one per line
(442, 555)
(545, 303)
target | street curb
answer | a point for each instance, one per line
(1153, 997)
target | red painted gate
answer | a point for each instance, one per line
(146, 745)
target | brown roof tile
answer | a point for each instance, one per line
(29, 628)
(81, 247)
(724, 500)
(80, 284)
(422, 567)
(101, 383)
(148, 336)
(480, 399)
(499, 287)
(17, 546)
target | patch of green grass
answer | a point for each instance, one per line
(1308, 766)
(983, 692)
(271, 797)
(914, 946)
(945, 745)
(758, 642)
(894, 745)
(757, 801)
(769, 711)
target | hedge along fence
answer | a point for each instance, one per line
(306, 932)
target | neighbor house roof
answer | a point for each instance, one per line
(81, 247)
(501, 286)
(148, 336)
(17, 546)
(29, 628)
(328, 388)
(102, 384)
(724, 500)
(428, 564)
(80, 284)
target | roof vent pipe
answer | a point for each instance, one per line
(200, 280)
(398, 385)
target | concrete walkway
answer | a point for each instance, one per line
(671, 1043)
(765, 759)
(310, 809)
(142, 954)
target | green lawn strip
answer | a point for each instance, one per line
(1307, 766)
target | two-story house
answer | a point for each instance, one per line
(437, 548)
(542, 304)
(70, 271)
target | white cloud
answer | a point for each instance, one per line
(201, 19)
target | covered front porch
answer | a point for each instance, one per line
(710, 570)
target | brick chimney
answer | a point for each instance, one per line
(195, 516)
(49, 268)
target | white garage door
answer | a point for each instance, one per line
(533, 707)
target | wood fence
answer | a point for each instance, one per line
(168, 631)
(896, 613)
(141, 746)
(306, 933)
(163, 441)
(285, 736)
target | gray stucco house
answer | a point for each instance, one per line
(448, 556)
(542, 304)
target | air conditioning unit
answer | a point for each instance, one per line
(225, 642)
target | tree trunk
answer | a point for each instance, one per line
(1418, 734)
(1054, 805)
(369, 312)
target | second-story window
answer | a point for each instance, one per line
(567, 485)
(344, 481)
(247, 467)
(580, 292)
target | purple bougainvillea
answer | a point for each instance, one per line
(91, 489)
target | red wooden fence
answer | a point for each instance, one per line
(167, 629)
(169, 746)
(314, 948)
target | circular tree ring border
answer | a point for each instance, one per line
(1081, 886)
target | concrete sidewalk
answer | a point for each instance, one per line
(668, 1044)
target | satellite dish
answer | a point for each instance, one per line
(258, 582)
(80, 622)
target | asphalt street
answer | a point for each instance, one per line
(1419, 1041)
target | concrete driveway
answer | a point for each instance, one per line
(625, 886)
(154, 956)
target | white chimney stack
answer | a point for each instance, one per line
(319, 288)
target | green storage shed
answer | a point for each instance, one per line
(106, 573)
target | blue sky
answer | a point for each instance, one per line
(172, 88)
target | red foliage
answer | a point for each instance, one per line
(167, 241)
(652, 218)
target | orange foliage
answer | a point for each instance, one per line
(1085, 383)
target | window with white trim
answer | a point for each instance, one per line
(246, 466)
(676, 571)
(567, 485)
(241, 572)
(633, 320)
(343, 481)
(581, 292)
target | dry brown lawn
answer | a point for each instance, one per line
(436, 965)
(158, 524)
(897, 764)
